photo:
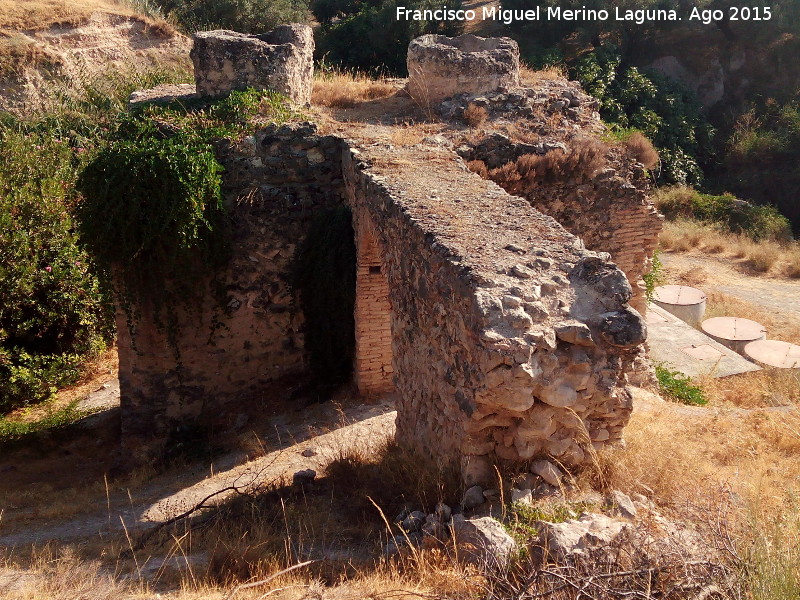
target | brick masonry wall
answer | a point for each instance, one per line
(373, 369)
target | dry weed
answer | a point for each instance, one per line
(767, 387)
(479, 167)
(693, 276)
(475, 115)
(61, 575)
(677, 454)
(763, 256)
(345, 89)
(585, 156)
(642, 150)
(792, 258)
(531, 78)
(36, 14)
(681, 235)
(408, 135)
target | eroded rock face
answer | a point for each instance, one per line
(280, 60)
(440, 67)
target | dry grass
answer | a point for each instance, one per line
(59, 575)
(792, 260)
(38, 14)
(682, 235)
(642, 150)
(474, 115)
(531, 78)
(765, 256)
(678, 454)
(408, 135)
(768, 387)
(346, 90)
(585, 156)
(762, 257)
(19, 52)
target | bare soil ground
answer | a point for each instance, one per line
(59, 489)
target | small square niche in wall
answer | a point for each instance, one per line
(375, 270)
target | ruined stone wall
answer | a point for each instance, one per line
(281, 60)
(509, 341)
(610, 215)
(607, 211)
(275, 183)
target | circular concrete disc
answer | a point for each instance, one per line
(774, 353)
(733, 328)
(681, 295)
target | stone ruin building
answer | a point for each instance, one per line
(508, 327)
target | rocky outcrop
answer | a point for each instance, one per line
(439, 66)
(281, 60)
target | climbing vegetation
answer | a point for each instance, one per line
(152, 209)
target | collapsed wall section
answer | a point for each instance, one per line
(248, 330)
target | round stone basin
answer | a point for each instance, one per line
(774, 353)
(734, 332)
(686, 303)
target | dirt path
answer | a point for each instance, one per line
(289, 445)
(717, 274)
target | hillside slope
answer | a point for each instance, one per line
(45, 40)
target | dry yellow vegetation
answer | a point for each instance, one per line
(765, 256)
(341, 89)
(38, 14)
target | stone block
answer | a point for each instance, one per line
(280, 60)
(440, 67)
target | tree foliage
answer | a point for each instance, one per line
(661, 109)
(366, 35)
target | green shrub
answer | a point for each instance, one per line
(12, 431)
(52, 308)
(678, 387)
(660, 109)
(760, 157)
(733, 214)
(654, 277)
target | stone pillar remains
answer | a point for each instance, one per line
(281, 60)
(439, 66)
